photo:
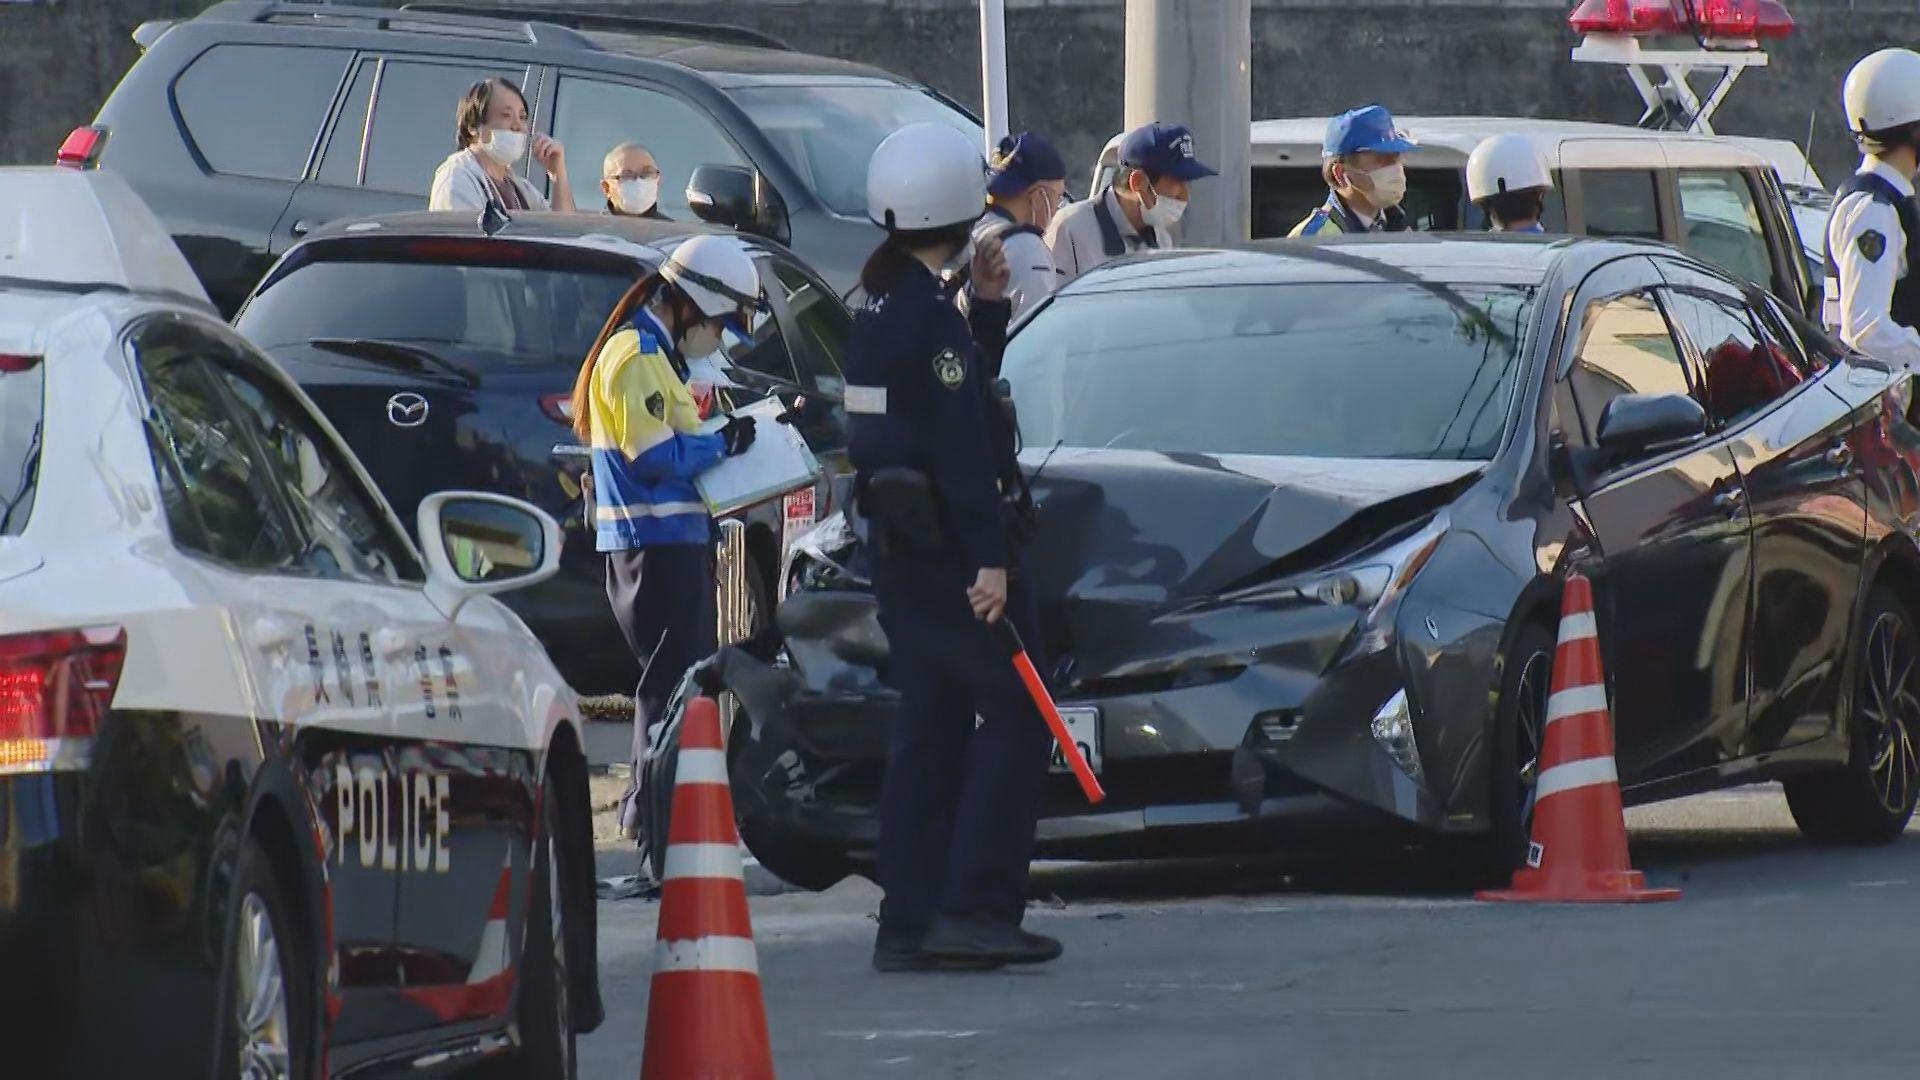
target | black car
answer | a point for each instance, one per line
(1305, 512)
(447, 357)
(251, 125)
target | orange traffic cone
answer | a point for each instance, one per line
(705, 1016)
(1579, 848)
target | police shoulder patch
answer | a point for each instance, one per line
(1873, 244)
(657, 405)
(950, 368)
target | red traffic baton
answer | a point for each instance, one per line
(1037, 690)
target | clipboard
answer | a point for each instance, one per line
(779, 461)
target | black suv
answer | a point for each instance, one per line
(255, 122)
(446, 358)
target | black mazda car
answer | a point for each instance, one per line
(1305, 511)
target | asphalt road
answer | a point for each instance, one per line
(1781, 960)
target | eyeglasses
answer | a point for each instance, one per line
(648, 174)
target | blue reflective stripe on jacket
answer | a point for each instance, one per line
(647, 445)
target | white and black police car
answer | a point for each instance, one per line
(281, 795)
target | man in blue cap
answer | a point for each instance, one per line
(1365, 180)
(1137, 210)
(1026, 183)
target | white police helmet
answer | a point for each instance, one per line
(926, 176)
(716, 273)
(1883, 91)
(1505, 163)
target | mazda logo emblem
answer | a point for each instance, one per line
(407, 409)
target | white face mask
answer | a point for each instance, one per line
(1387, 185)
(638, 196)
(505, 147)
(702, 340)
(1165, 211)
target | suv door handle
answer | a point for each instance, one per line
(1840, 455)
(1730, 501)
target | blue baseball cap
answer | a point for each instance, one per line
(1163, 150)
(1022, 161)
(1369, 127)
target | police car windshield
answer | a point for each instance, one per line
(1370, 370)
(828, 133)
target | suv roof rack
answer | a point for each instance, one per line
(725, 33)
(366, 16)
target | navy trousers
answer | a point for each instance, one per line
(967, 757)
(663, 599)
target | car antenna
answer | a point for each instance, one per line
(1057, 444)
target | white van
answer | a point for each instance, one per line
(1720, 198)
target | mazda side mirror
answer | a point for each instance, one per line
(476, 544)
(738, 198)
(1633, 425)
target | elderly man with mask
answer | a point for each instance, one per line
(1360, 160)
(630, 179)
(1135, 212)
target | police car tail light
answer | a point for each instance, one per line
(82, 147)
(55, 686)
(558, 408)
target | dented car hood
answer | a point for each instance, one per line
(1126, 535)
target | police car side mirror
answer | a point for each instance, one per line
(738, 198)
(476, 544)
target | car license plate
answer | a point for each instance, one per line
(1084, 726)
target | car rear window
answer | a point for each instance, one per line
(22, 409)
(492, 317)
(1371, 370)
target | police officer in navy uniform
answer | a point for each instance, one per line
(1360, 160)
(960, 799)
(1872, 297)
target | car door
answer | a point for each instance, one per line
(1672, 582)
(441, 766)
(392, 127)
(225, 505)
(1793, 441)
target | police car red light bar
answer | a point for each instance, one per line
(55, 686)
(1722, 19)
(13, 365)
(82, 148)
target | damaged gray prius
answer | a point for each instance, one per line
(1304, 512)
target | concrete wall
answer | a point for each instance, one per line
(1310, 57)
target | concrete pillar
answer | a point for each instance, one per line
(1188, 62)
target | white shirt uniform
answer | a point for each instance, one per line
(1857, 301)
(1029, 262)
(1076, 241)
(461, 183)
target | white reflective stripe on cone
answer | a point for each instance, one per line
(702, 861)
(1574, 775)
(706, 954)
(1578, 626)
(701, 767)
(1576, 701)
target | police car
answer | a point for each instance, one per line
(281, 795)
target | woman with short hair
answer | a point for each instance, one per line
(491, 130)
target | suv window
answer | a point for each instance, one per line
(413, 127)
(513, 315)
(1721, 224)
(592, 117)
(1620, 202)
(219, 501)
(1744, 370)
(255, 110)
(1283, 196)
(23, 383)
(344, 534)
(1626, 347)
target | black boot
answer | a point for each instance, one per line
(898, 950)
(981, 937)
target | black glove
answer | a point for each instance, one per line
(738, 435)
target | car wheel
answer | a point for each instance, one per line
(1870, 799)
(267, 996)
(1526, 678)
(544, 1013)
